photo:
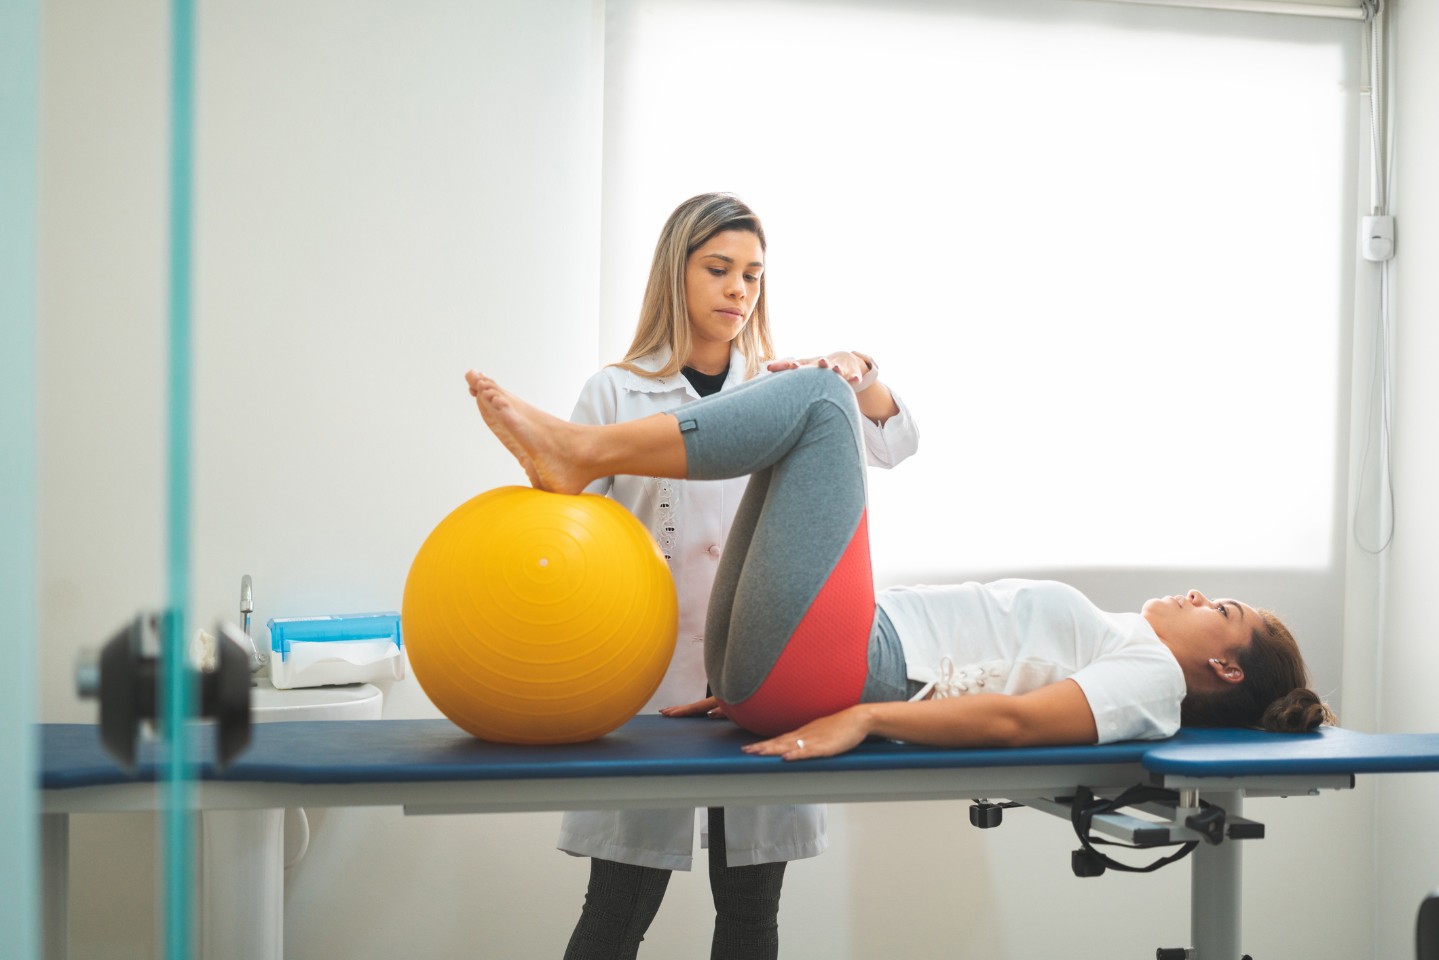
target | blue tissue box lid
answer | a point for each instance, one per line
(348, 626)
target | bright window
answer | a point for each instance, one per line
(1099, 250)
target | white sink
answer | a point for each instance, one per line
(355, 701)
(245, 852)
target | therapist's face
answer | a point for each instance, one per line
(722, 285)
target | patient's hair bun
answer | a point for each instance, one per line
(1298, 711)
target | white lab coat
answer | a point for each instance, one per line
(691, 520)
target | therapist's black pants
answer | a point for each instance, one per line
(622, 899)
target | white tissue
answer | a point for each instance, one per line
(204, 652)
(361, 653)
(323, 663)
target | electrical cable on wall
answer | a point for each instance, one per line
(1377, 245)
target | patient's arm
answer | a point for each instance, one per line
(708, 707)
(1054, 715)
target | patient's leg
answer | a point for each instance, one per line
(792, 609)
(563, 457)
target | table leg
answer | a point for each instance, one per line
(1216, 890)
(55, 885)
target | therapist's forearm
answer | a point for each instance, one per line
(877, 403)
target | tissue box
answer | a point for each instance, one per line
(349, 648)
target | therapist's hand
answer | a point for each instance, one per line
(876, 402)
(846, 364)
(708, 707)
(824, 737)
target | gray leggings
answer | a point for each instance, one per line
(792, 622)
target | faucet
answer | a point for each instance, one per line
(247, 600)
(258, 658)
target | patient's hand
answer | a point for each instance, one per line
(708, 707)
(824, 737)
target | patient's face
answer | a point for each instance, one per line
(1194, 623)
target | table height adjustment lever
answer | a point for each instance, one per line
(1208, 823)
(985, 815)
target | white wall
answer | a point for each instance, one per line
(1408, 838)
(100, 397)
(388, 194)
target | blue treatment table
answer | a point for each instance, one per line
(432, 767)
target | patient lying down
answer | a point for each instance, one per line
(801, 651)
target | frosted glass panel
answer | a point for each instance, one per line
(19, 118)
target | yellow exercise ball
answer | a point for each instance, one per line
(534, 617)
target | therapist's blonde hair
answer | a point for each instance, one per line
(664, 314)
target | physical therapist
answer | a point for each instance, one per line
(703, 328)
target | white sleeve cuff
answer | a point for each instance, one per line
(871, 375)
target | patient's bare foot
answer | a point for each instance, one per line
(544, 445)
(475, 379)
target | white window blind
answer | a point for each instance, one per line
(1337, 9)
(1101, 250)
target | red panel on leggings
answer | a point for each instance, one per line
(823, 667)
